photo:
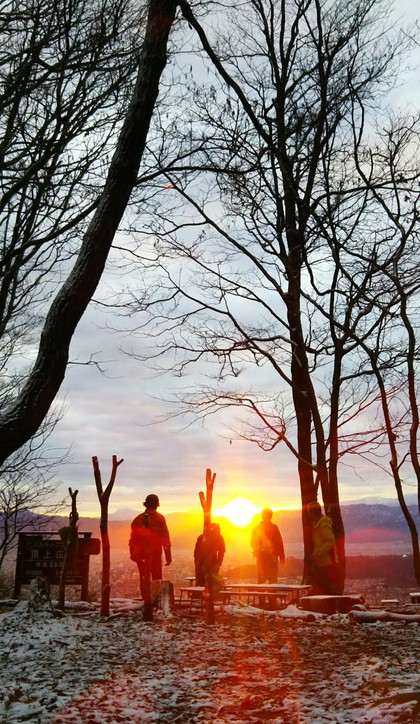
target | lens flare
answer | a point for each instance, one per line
(239, 511)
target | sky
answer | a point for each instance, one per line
(116, 413)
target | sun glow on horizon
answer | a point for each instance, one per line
(239, 511)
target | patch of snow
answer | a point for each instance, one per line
(249, 667)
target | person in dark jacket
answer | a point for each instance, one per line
(209, 552)
(267, 547)
(149, 536)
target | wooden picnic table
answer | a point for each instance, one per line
(283, 593)
(267, 595)
(191, 594)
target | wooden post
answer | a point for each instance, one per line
(69, 537)
(206, 503)
(104, 496)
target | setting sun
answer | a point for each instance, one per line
(239, 511)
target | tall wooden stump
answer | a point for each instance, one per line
(69, 536)
(206, 503)
(104, 496)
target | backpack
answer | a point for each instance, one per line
(146, 537)
(261, 543)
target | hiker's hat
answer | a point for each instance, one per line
(152, 501)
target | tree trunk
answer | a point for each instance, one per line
(332, 505)
(308, 420)
(302, 406)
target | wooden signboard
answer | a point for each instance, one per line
(42, 554)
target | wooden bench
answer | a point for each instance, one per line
(193, 594)
(415, 597)
(252, 595)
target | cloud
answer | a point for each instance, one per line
(115, 414)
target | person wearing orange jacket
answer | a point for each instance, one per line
(267, 547)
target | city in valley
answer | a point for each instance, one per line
(379, 557)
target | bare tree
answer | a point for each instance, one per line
(66, 70)
(267, 176)
(28, 489)
(25, 413)
(385, 329)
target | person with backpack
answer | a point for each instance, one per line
(149, 536)
(267, 547)
(323, 564)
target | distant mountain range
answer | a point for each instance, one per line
(410, 499)
(363, 522)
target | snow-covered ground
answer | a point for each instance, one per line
(249, 667)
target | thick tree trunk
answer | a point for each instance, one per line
(308, 421)
(302, 406)
(332, 505)
(24, 416)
